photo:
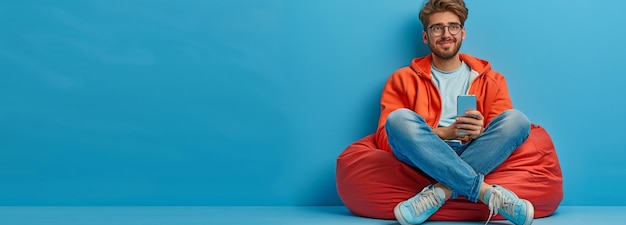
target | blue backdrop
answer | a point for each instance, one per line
(249, 102)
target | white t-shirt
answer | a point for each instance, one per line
(451, 84)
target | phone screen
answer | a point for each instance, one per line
(465, 103)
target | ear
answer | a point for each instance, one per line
(463, 33)
(425, 37)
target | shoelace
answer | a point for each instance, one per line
(499, 200)
(428, 199)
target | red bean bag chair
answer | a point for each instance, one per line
(370, 181)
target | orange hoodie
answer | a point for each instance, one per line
(412, 87)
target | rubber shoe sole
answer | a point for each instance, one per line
(398, 214)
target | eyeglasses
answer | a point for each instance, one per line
(453, 29)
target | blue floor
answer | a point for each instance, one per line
(258, 215)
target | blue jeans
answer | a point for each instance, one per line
(461, 167)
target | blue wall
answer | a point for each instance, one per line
(248, 102)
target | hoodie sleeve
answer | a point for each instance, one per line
(499, 99)
(393, 97)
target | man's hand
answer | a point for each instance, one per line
(471, 124)
(446, 133)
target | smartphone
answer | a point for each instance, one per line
(464, 103)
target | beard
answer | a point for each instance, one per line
(445, 53)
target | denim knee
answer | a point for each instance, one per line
(515, 118)
(403, 118)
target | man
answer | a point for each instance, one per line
(419, 122)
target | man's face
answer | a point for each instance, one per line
(443, 44)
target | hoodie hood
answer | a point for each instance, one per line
(422, 66)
